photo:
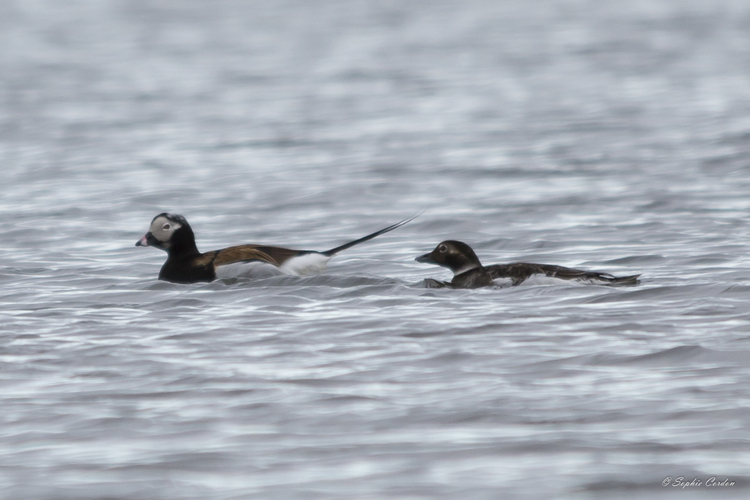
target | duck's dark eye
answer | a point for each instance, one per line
(166, 227)
(442, 249)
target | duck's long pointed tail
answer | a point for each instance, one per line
(334, 251)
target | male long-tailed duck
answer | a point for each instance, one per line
(185, 264)
(468, 272)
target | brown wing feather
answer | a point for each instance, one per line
(245, 253)
(279, 254)
(242, 253)
(205, 258)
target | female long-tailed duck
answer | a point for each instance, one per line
(468, 272)
(185, 264)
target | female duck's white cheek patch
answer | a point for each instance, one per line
(309, 264)
(247, 270)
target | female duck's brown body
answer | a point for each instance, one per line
(468, 271)
(186, 264)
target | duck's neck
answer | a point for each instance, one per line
(183, 244)
(471, 266)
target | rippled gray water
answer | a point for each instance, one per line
(612, 136)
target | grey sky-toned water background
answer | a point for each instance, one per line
(612, 136)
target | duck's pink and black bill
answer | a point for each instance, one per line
(146, 240)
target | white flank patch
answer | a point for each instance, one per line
(502, 281)
(541, 279)
(309, 264)
(253, 269)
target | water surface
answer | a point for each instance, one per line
(601, 135)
